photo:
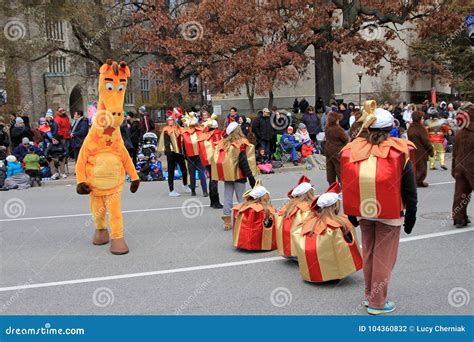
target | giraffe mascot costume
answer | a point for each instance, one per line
(104, 160)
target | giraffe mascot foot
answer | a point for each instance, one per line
(104, 160)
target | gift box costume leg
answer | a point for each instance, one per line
(379, 253)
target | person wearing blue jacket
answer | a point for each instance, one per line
(16, 177)
(22, 150)
(290, 144)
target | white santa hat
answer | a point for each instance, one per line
(384, 119)
(232, 126)
(327, 199)
(301, 189)
(258, 191)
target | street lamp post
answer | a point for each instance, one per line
(359, 74)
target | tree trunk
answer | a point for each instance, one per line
(270, 99)
(250, 88)
(324, 77)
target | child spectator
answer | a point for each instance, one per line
(263, 162)
(32, 166)
(16, 178)
(290, 144)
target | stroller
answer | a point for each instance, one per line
(150, 145)
(148, 167)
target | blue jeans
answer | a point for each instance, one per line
(194, 163)
(292, 151)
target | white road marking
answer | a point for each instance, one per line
(441, 183)
(198, 268)
(123, 212)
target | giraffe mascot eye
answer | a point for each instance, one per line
(109, 86)
(120, 87)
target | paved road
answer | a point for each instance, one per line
(182, 262)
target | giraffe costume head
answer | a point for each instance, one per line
(113, 80)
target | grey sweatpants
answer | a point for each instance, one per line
(229, 189)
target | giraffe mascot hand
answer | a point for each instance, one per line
(104, 160)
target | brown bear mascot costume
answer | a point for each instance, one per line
(463, 164)
(418, 134)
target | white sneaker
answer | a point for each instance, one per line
(174, 194)
(64, 176)
(186, 188)
(55, 176)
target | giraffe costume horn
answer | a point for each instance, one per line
(368, 115)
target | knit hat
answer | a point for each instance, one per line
(49, 113)
(11, 159)
(31, 149)
(232, 126)
(289, 129)
(142, 109)
(42, 120)
(25, 141)
(301, 126)
(19, 120)
(265, 110)
(61, 110)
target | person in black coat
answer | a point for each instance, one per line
(244, 125)
(313, 123)
(346, 115)
(79, 130)
(263, 130)
(134, 131)
(18, 132)
(303, 105)
(56, 154)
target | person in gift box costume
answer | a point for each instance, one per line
(103, 159)
(379, 192)
(463, 165)
(233, 162)
(437, 128)
(208, 140)
(254, 221)
(325, 243)
(291, 215)
(170, 143)
(191, 134)
(419, 136)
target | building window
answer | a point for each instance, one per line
(129, 98)
(145, 86)
(57, 64)
(54, 30)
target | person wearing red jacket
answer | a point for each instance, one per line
(64, 127)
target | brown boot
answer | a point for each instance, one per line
(227, 222)
(118, 246)
(101, 237)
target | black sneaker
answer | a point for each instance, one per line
(205, 194)
(193, 192)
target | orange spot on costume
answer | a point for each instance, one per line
(104, 160)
